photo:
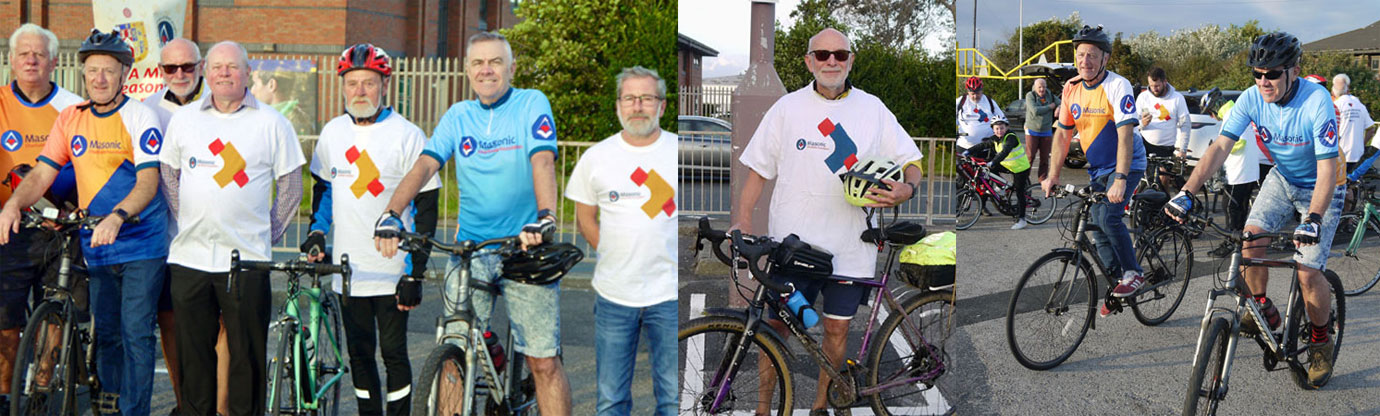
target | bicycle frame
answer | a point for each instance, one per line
(1369, 212)
(292, 315)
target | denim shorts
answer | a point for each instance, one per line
(533, 310)
(1274, 208)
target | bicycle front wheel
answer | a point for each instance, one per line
(1050, 310)
(1039, 208)
(910, 356)
(282, 397)
(1206, 387)
(443, 383)
(967, 208)
(1167, 257)
(761, 382)
(1355, 254)
(42, 382)
(327, 356)
(1336, 324)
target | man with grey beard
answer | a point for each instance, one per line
(626, 185)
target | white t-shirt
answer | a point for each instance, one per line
(805, 142)
(1352, 121)
(165, 109)
(1169, 123)
(635, 191)
(364, 165)
(975, 118)
(1243, 163)
(228, 164)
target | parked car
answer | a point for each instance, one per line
(705, 146)
(1205, 128)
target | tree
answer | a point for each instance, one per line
(898, 23)
(573, 49)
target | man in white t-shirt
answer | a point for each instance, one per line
(231, 156)
(1164, 119)
(1353, 118)
(804, 142)
(357, 164)
(624, 190)
(975, 112)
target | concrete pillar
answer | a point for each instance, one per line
(759, 89)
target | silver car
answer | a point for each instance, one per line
(705, 145)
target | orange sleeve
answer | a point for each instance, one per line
(56, 151)
(1064, 116)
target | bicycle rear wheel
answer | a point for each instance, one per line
(1355, 254)
(443, 383)
(1205, 384)
(1336, 324)
(282, 397)
(706, 352)
(1050, 310)
(42, 382)
(1167, 258)
(910, 354)
(1040, 208)
(967, 208)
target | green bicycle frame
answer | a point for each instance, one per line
(312, 325)
(1367, 213)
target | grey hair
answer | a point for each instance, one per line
(846, 41)
(196, 51)
(33, 29)
(1346, 80)
(243, 54)
(489, 36)
(637, 71)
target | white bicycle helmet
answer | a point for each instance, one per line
(865, 174)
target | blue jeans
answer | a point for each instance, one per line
(615, 353)
(1111, 237)
(124, 299)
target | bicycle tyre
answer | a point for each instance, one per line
(1211, 356)
(25, 398)
(1027, 299)
(1046, 208)
(1167, 258)
(326, 361)
(448, 361)
(1337, 323)
(1360, 270)
(967, 209)
(710, 339)
(894, 355)
(281, 377)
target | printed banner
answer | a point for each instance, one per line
(146, 25)
(289, 86)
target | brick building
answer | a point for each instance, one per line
(419, 28)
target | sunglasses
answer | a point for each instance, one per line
(823, 55)
(186, 68)
(1271, 75)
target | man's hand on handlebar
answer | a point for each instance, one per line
(387, 231)
(538, 232)
(315, 246)
(1179, 207)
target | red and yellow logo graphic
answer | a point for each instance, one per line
(663, 198)
(233, 171)
(1164, 112)
(367, 180)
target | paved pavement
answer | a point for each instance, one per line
(1123, 367)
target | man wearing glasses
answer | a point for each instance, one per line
(805, 141)
(504, 143)
(624, 190)
(1299, 128)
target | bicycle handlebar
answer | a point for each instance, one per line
(33, 219)
(750, 247)
(296, 267)
(415, 242)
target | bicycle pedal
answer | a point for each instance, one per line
(105, 403)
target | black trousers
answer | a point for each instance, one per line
(1019, 181)
(199, 299)
(376, 322)
(1239, 205)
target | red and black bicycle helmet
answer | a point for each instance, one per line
(973, 84)
(364, 56)
(542, 265)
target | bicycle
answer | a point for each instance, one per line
(1357, 257)
(47, 369)
(1049, 295)
(304, 375)
(1218, 338)
(1142, 217)
(449, 385)
(905, 360)
(984, 187)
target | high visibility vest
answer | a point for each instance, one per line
(1015, 161)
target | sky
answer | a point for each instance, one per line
(1309, 20)
(723, 25)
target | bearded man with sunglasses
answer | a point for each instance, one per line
(805, 141)
(1298, 125)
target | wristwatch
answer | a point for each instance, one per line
(543, 213)
(1118, 175)
(124, 215)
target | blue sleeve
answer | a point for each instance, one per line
(445, 137)
(543, 137)
(321, 215)
(1362, 168)
(1239, 116)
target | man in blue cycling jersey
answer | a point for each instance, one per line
(504, 143)
(1298, 125)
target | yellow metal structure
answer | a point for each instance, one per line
(970, 62)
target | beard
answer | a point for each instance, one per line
(363, 109)
(644, 127)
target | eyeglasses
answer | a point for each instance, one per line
(639, 99)
(173, 68)
(1270, 75)
(823, 55)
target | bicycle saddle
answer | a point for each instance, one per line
(902, 233)
(1152, 197)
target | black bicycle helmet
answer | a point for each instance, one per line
(1211, 101)
(1278, 49)
(105, 44)
(542, 265)
(1093, 35)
